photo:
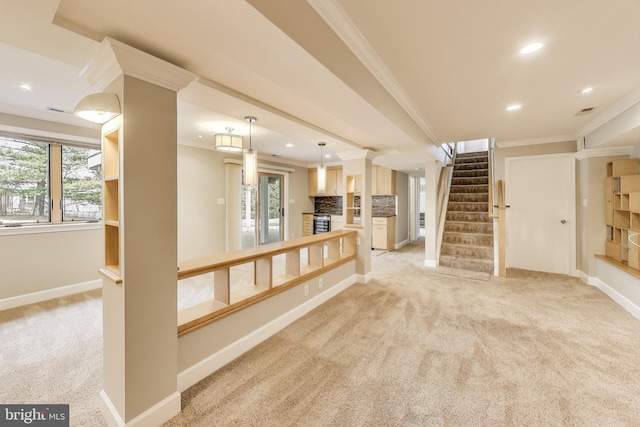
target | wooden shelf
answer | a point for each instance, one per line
(112, 272)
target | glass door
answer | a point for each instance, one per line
(270, 194)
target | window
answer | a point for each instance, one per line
(47, 182)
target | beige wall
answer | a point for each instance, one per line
(528, 150)
(202, 222)
(37, 262)
(40, 262)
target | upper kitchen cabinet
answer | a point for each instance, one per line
(384, 181)
(334, 182)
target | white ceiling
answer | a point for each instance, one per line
(396, 77)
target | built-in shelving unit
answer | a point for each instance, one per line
(352, 203)
(326, 251)
(622, 214)
(111, 136)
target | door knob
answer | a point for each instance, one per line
(563, 221)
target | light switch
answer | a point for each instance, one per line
(221, 201)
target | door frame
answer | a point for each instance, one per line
(283, 183)
(571, 214)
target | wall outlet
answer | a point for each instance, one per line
(220, 201)
(320, 283)
(306, 290)
(358, 241)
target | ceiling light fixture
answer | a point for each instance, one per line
(98, 107)
(250, 160)
(228, 142)
(290, 145)
(322, 173)
(25, 86)
(514, 107)
(530, 48)
(586, 90)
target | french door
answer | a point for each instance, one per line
(262, 212)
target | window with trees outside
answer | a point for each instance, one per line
(48, 182)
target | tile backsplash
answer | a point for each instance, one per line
(383, 205)
(332, 205)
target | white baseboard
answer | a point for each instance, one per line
(35, 297)
(364, 278)
(158, 414)
(401, 244)
(620, 299)
(431, 263)
(206, 367)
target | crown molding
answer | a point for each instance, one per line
(337, 19)
(610, 113)
(114, 58)
(604, 152)
(536, 141)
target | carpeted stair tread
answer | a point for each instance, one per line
(467, 241)
(472, 264)
(460, 206)
(467, 251)
(469, 173)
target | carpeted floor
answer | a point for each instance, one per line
(411, 348)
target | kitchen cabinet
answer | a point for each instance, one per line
(334, 182)
(337, 222)
(307, 224)
(383, 181)
(383, 233)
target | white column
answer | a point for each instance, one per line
(431, 173)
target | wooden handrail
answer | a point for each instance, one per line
(502, 269)
(341, 248)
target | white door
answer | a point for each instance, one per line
(541, 220)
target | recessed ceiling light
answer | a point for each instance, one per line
(530, 48)
(514, 107)
(586, 90)
(199, 136)
(25, 86)
(327, 156)
(290, 145)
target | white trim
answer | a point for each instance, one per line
(206, 367)
(62, 137)
(364, 278)
(610, 113)
(536, 141)
(619, 298)
(401, 244)
(430, 263)
(36, 297)
(158, 414)
(357, 155)
(261, 166)
(114, 58)
(603, 152)
(48, 228)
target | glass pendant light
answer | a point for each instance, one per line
(250, 160)
(322, 173)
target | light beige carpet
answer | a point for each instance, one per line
(410, 348)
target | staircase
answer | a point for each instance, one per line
(467, 241)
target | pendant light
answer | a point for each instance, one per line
(228, 141)
(250, 160)
(322, 172)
